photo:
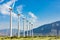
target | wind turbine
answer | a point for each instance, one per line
(18, 25)
(32, 29)
(24, 26)
(11, 19)
(10, 22)
(27, 27)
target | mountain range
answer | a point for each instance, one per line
(51, 29)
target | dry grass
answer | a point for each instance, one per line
(31, 38)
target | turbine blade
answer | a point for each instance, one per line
(13, 4)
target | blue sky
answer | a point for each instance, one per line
(44, 11)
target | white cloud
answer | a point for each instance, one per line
(34, 20)
(1, 1)
(14, 15)
(19, 10)
(33, 17)
(4, 8)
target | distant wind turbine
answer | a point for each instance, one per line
(32, 29)
(11, 19)
(18, 25)
(24, 26)
(27, 26)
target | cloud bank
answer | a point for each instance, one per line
(33, 17)
(4, 8)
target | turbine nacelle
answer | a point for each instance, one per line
(10, 8)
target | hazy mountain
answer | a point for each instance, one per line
(6, 32)
(48, 29)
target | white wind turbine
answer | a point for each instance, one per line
(18, 25)
(27, 27)
(11, 18)
(31, 25)
(10, 22)
(32, 29)
(19, 15)
(24, 26)
(23, 18)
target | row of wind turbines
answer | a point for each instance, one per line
(29, 25)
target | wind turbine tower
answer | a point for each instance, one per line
(32, 29)
(27, 27)
(18, 25)
(10, 22)
(24, 26)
